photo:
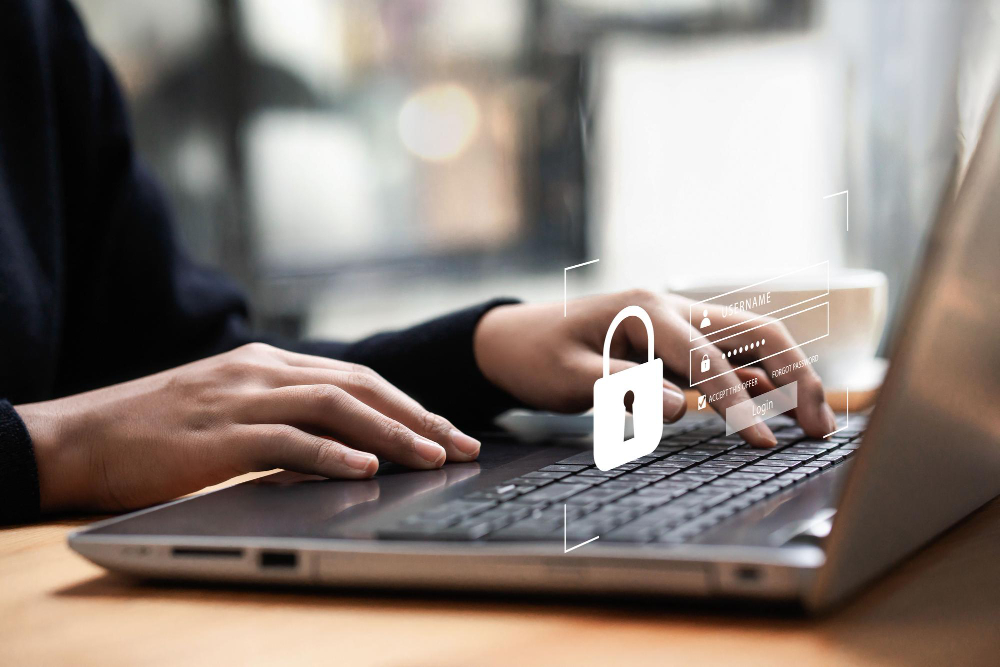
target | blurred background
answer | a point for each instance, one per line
(363, 164)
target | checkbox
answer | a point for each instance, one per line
(702, 402)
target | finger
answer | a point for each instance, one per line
(762, 383)
(723, 389)
(377, 392)
(761, 342)
(334, 411)
(266, 446)
(590, 366)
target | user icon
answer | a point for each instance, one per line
(705, 322)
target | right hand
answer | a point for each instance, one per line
(255, 408)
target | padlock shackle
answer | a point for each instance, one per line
(628, 311)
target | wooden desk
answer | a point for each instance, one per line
(941, 607)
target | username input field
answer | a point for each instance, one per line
(721, 314)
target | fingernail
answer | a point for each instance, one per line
(763, 435)
(429, 451)
(464, 443)
(673, 404)
(830, 418)
(361, 461)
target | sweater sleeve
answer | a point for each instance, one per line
(18, 474)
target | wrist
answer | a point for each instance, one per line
(61, 479)
(487, 339)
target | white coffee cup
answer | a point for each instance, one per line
(858, 302)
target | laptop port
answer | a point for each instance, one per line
(747, 573)
(206, 552)
(278, 560)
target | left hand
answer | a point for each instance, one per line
(551, 362)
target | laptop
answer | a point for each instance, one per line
(809, 522)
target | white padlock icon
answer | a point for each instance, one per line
(645, 381)
(706, 364)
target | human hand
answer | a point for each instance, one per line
(551, 362)
(255, 408)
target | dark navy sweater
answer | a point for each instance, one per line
(93, 286)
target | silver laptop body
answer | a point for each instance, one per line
(930, 456)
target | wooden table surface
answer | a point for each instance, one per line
(942, 607)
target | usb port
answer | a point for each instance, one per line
(278, 560)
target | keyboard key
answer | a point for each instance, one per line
(529, 529)
(646, 476)
(663, 518)
(585, 480)
(736, 458)
(594, 472)
(554, 493)
(645, 502)
(656, 496)
(815, 451)
(738, 503)
(721, 466)
(506, 512)
(693, 477)
(612, 514)
(735, 484)
(757, 476)
(562, 467)
(713, 498)
(625, 483)
(532, 481)
(782, 456)
(774, 468)
(674, 483)
(598, 495)
(819, 442)
(685, 458)
(664, 469)
(556, 513)
(544, 475)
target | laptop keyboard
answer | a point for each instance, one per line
(695, 478)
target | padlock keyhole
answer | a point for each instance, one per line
(628, 401)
